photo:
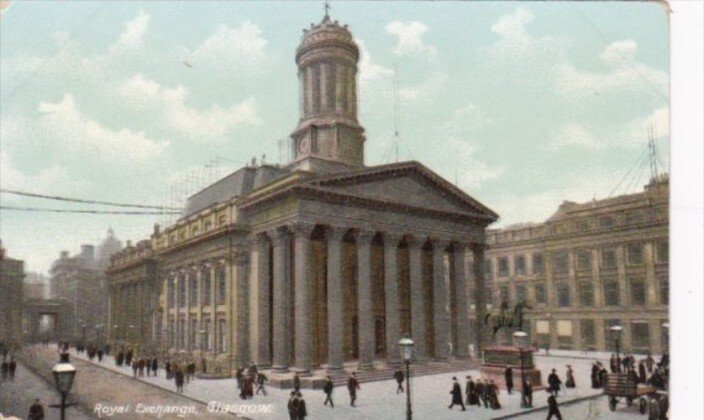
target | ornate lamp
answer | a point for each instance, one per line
(521, 337)
(616, 331)
(406, 345)
(64, 372)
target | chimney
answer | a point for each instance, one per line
(87, 252)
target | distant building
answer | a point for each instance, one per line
(11, 291)
(80, 280)
(35, 286)
(590, 266)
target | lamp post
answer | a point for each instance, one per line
(666, 330)
(520, 338)
(64, 373)
(406, 345)
(616, 333)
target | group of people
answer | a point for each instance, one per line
(144, 364)
(246, 381)
(482, 392)
(8, 368)
(644, 371)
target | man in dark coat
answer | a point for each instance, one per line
(292, 406)
(508, 376)
(239, 375)
(5, 369)
(296, 382)
(553, 410)
(179, 379)
(12, 367)
(100, 355)
(253, 370)
(618, 364)
(328, 392)
(128, 357)
(602, 377)
(641, 372)
(483, 392)
(456, 395)
(155, 366)
(352, 387)
(554, 383)
(649, 363)
(302, 412)
(527, 394)
(261, 378)
(665, 360)
(471, 392)
(36, 411)
(167, 368)
(399, 376)
(595, 375)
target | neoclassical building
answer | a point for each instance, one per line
(324, 260)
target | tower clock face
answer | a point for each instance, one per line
(304, 146)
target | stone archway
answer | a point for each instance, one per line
(58, 309)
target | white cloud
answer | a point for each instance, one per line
(620, 52)
(240, 49)
(368, 70)
(64, 123)
(174, 114)
(409, 37)
(574, 134)
(635, 133)
(132, 35)
(52, 178)
(513, 25)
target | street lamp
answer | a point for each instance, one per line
(64, 373)
(520, 338)
(406, 345)
(616, 333)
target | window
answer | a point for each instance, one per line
(220, 279)
(606, 222)
(487, 269)
(181, 292)
(208, 224)
(170, 333)
(538, 265)
(519, 262)
(662, 252)
(520, 292)
(222, 219)
(608, 258)
(503, 266)
(609, 335)
(664, 289)
(192, 332)
(586, 294)
(611, 292)
(221, 336)
(171, 292)
(192, 290)
(560, 264)
(587, 332)
(584, 259)
(503, 293)
(634, 253)
(637, 291)
(540, 294)
(634, 217)
(582, 225)
(181, 333)
(206, 335)
(563, 294)
(640, 335)
(206, 286)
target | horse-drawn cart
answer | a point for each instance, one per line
(621, 386)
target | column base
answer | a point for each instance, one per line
(335, 371)
(280, 369)
(394, 363)
(303, 372)
(365, 366)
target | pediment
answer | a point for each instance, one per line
(409, 184)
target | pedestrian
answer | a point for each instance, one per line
(569, 378)
(155, 366)
(4, 369)
(253, 370)
(239, 376)
(494, 396)
(553, 410)
(140, 364)
(456, 395)
(603, 374)
(399, 376)
(554, 383)
(167, 368)
(100, 356)
(508, 377)
(353, 387)
(612, 363)
(664, 360)
(293, 406)
(649, 363)
(595, 375)
(249, 386)
(296, 382)
(36, 411)
(302, 412)
(135, 368)
(261, 378)
(471, 392)
(179, 378)
(641, 372)
(483, 391)
(527, 394)
(192, 369)
(328, 392)
(128, 357)
(618, 364)
(12, 367)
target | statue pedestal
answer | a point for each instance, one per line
(496, 358)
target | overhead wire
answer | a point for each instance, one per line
(127, 212)
(79, 200)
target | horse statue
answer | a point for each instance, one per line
(503, 319)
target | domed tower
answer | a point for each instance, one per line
(110, 245)
(327, 69)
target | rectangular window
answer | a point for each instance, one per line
(503, 266)
(170, 333)
(664, 282)
(637, 286)
(192, 333)
(582, 225)
(205, 336)
(519, 262)
(587, 332)
(640, 335)
(606, 222)
(171, 292)
(520, 292)
(563, 295)
(540, 293)
(662, 251)
(584, 260)
(192, 289)
(634, 253)
(221, 286)
(222, 335)
(611, 292)
(608, 258)
(609, 336)
(206, 286)
(181, 292)
(538, 265)
(181, 333)
(586, 293)
(560, 263)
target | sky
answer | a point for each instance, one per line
(522, 104)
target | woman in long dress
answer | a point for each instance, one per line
(494, 396)
(569, 378)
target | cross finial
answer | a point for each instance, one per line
(327, 8)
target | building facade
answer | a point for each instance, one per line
(590, 266)
(323, 260)
(11, 298)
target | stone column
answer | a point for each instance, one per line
(263, 310)
(302, 232)
(213, 333)
(335, 298)
(177, 312)
(479, 294)
(280, 241)
(596, 284)
(651, 297)
(461, 306)
(324, 105)
(339, 88)
(242, 322)
(187, 333)
(364, 299)
(310, 107)
(391, 299)
(417, 297)
(441, 324)
(623, 297)
(349, 84)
